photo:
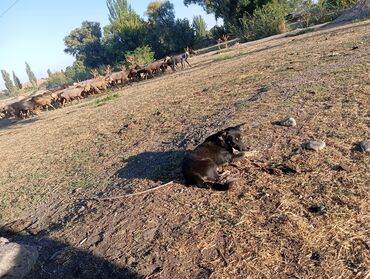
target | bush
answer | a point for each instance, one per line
(140, 56)
(58, 79)
(266, 21)
(77, 72)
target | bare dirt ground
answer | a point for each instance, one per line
(293, 213)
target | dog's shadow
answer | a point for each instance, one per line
(155, 166)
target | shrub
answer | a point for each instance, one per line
(58, 79)
(266, 21)
(141, 55)
(77, 72)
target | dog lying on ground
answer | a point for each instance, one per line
(200, 166)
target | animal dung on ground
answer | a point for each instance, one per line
(286, 122)
(315, 145)
(364, 146)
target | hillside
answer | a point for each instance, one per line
(293, 213)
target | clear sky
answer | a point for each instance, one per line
(33, 30)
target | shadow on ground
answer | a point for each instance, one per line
(60, 260)
(6, 123)
(155, 166)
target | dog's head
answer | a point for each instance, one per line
(232, 138)
(229, 138)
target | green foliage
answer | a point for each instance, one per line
(8, 82)
(31, 76)
(165, 34)
(217, 32)
(141, 55)
(58, 79)
(266, 21)
(126, 32)
(17, 82)
(200, 27)
(106, 99)
(338, 4)
(49, 72)
(77, 72)
(231, 11)
(85, 44)
(117, 9)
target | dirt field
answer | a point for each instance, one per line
(293, 213)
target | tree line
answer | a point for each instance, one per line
(14, 86)
(130, 38)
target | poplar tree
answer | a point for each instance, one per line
(8, 82)
(31, 76)
(17, 82)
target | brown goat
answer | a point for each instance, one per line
(45, 100)
(122, 76)
(71, 94)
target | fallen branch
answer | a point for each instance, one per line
(130, 195)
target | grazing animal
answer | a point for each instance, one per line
(153, 68)
(179, 59)
(122, 76)
(71, 94)
(44, 100)
(200, 166)
(23, 108)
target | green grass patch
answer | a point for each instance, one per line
(106, 99)
(84, 183)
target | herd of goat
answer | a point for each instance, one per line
(59, 98)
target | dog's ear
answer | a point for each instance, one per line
(223, 138)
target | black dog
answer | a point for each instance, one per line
(200, 166)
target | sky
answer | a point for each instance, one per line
(33, 30)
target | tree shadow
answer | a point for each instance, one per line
(8, 122)
(155, 166)
(60, 260)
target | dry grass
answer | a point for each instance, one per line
(263, 227)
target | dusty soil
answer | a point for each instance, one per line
(292, 213)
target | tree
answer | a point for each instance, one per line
(161, 12)
(31, 76)
(126, 31)
(118, 9)
(152, 8)
(140, 56)
(166, 34)
(85, 44)
(58, 79)
(200, 27)
(8, 82)
(17, 82)
(77, 72)
(49, 72)
(231, 11)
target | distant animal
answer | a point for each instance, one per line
(70, 94)
(23, 108)
(179, 59)
(45, 100)
(154, 68)
(200, 166)
(115, 77)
